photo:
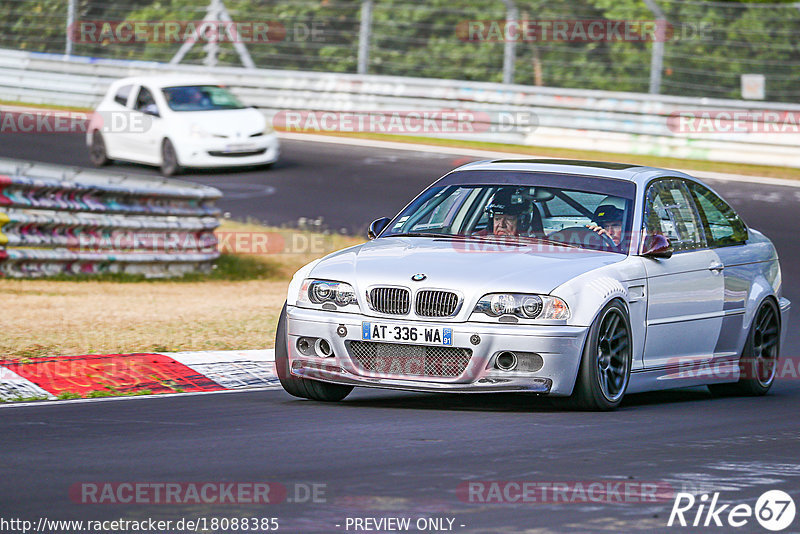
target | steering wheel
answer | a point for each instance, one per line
(584, 238)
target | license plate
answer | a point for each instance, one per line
(426, 335)
(240, 148)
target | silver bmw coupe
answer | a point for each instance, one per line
(578, 279)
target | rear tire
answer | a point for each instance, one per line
(606, 362)
(97, 150)
(759, 361)
(170, 166)
(301, 387)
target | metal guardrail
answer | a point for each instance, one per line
(57, 220)
(631, 123)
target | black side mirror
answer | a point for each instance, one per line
(378, 226)
(657, 246)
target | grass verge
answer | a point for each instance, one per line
(233, 308)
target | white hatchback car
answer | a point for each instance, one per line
(176, 123)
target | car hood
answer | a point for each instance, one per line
(473, 267)
(233, 123)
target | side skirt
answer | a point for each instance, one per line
(682, 376)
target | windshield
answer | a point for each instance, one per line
(590, 218)
(200, 98)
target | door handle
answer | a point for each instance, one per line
(716, 267)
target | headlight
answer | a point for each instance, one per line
(321, 292)
(198, 133)
(523, 306)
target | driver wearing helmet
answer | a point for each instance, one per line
(608, 223)
(506, 212)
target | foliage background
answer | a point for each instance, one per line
(716, 41)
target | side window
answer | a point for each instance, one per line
(145, 101)
(724, 227)
(122, 95)
(669, 211)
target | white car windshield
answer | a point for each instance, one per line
(597, 218)
(200, 98)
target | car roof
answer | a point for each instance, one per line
(638, 174)
(166, 81)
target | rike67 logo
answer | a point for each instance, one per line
(774, 510)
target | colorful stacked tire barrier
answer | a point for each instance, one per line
(57, 220)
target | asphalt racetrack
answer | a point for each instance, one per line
(405, 455)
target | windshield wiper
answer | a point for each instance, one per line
(421, 234)
(521, 240)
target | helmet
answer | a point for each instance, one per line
(508, 201)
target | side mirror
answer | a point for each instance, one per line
(151, 109)
(378, 226)
(657, 246)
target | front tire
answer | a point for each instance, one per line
(606, 362)
(170, 166)
(301, 387)
(759, 361)
(97, 150)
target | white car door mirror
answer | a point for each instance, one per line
(151, 109)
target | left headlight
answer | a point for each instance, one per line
(523, 305)
(321, 292)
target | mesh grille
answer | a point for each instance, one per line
(436, 303)
(390, 300)
(408, 360)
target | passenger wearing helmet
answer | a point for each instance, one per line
(608, 221)
(507, 212)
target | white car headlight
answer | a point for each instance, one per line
(523, 305)
(198, 133)
(321, 292)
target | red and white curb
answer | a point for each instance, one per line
(120, 374)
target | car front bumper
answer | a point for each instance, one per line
(560, 348)
(215, 152)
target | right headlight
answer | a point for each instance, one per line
(523, 305)
(321, 292)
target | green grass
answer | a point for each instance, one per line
(33, 398)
